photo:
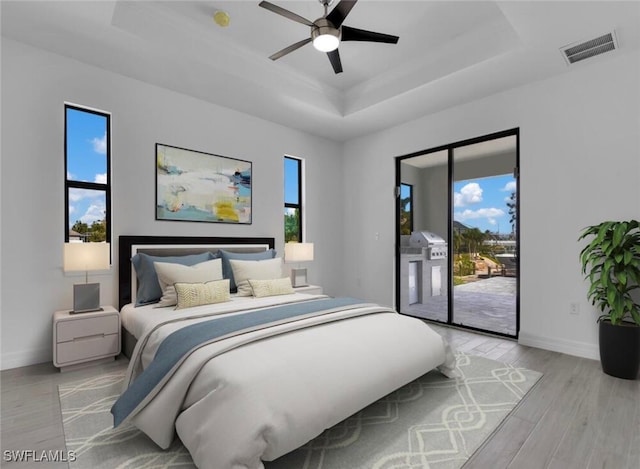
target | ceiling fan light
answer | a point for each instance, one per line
(326, 42)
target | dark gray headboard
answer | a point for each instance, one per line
(151, 245)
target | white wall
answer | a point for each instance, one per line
(580, 164)
(35, 86)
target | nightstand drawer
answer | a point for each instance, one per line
(87, 348)
(86, 327)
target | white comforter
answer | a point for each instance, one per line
(270, 391)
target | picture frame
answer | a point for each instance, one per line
(195, 186)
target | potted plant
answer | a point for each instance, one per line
(611, 263)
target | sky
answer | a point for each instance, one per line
(482, 203)
(86, 161)
(291, 167)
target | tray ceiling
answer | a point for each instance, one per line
(449, 53)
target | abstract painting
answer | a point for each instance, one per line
(197, 186)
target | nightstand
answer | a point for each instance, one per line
(310, 289)
(79, 339)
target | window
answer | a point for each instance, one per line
(406, 209)
(292, 199)
(87, 154)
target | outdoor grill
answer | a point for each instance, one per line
(433, 245)
(423, 269)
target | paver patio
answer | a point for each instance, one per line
(488, 304)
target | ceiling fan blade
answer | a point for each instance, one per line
(334, 58)
(355, 34)
(285, 13)
(340, 12)
(289, 49)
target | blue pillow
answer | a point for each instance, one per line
(227, 272)
(148, 287)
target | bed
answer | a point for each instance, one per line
(252, 378)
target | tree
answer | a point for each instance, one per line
(513, 210)
(405, 216)
(80, 227)
(98, 231)
(291, 226)
(474, 238)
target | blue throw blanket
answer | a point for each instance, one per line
(182, 342)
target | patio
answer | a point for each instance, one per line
(488, 304)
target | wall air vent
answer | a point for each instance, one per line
(579, 51)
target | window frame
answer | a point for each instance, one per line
(70, 184)
(299, 205)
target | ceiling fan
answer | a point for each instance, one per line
(328, 31)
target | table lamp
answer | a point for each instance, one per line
(298, 252)
(86, 256)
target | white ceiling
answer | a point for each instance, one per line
(506, 146)
(449, 52)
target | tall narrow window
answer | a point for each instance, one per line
(292, 199)
(406, 209)
(87, 152)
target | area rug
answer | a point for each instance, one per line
(432, 422)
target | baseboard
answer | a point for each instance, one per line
(570, 347)
(25, 358)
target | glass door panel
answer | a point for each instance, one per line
(423, 270)
(484, 254)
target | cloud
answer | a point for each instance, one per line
(95, 212)
(489, 214)
(468, 195)
(100, 144)
(75, 195)
(101, 178)
(511, 186)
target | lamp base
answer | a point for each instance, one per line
(299, 278)
(86, 298)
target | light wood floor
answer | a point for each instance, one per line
(575, 417)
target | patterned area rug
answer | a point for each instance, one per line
(433, 422)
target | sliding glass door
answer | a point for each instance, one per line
(424, 285)
(457, 263)
(484, 257)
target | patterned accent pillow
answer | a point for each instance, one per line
(198, 294)
(271, 287)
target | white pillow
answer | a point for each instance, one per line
(259, 270)
(169, 274)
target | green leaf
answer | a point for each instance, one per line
(628, 257)
(611, 297)
(618, 233)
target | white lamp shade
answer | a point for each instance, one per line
(298, 252)
(86, 256)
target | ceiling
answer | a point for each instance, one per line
(506, 146)
(449, 52)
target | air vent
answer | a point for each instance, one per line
(576, 52)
